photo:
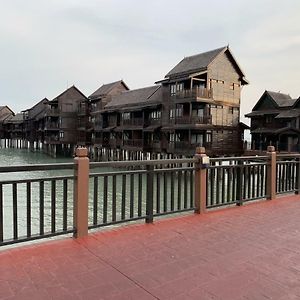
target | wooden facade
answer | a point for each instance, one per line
(275, 120)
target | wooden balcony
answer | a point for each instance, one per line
(195, 93)
(133, 122)
(187, 146)
(53, 112)
(51, 126)
(193, 120)
(153, 146)
(136, 143)
(153, 122)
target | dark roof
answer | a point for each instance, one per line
(106, 88)
(196, 62)
(257, 113)
(18, 118)
(72, 87)
(290, 113)
(145, 95)
(282, 100)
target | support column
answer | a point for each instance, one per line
(271, 173)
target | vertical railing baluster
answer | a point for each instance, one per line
(223, 185)
(131, 195)
(123, 204)
(218, 186)
(229, 184)
(149, 196)
(172, 191)
(179, 191)
(140, 194)
(28, 208)
(53, 205)
(165, 192)
(95, 201)
(42, 207)
(105, 181)
(157, 193)
(185, 195)
(192, 189)
(1, 213)
(15, 211)
(258, 173)
(212, 186)
(114, 198)
(65, 204)
(239, 183)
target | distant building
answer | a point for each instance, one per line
(275, 121)
(5, 114)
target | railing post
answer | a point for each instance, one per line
(271, 173)
(81, 192)
(200, 187)
(149, 195)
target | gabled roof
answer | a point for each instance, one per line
(136, 97)
(18, 118)
(72, 87)
(5, 106)
(195, 62)
(288, 114)
(200, 62)
(106, 88)
(279, 100)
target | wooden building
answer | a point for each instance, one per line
(14, 128)
(5, 113)
(34, 123)
(275, 121)
(201, 104)
(61, 122)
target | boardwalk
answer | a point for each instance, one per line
(249, 252)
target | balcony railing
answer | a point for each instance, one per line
(53, 112)
(193, 120)
(133, 121)
(185, 145)
(133, 143)
(195, 93)
(154, 122)
(49, 126)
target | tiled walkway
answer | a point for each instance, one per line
(250, 252)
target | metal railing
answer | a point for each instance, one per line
(98, 194)
(35, 208)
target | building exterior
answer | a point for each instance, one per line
(275, 121)
(61, 122)
(197, 103)
(5, 113)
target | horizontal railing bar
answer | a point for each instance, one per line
(286, 192)
(37, 179)
(140, 172)
(284, 162)
(221, 204)
(288, 155)
(235, 166)
(117, 164)
(35, 237)
(41, 167)
(173, 212)
(239, 158)
(116, 222)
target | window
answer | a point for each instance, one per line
(179, 110)
(126, 116)
(231, 86)
(156, 114)
(269, 119)
(172, 113)
(231, 110)
(208, 137)
(197, 138)
(172, 137)
(199, 112)
(173, 89)
(61, 134)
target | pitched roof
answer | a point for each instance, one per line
(290, 113)
(72, 87)
(18, 118)
(196, 62)
(106, 88)
(282, 100)
(133, 97)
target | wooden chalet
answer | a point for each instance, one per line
(61, 121)
(34, 122)
(14, 126)
(98, 100)
(201, 104)
(129, 122)
(275, 121)
(5, 113)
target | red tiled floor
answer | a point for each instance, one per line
(250, 252)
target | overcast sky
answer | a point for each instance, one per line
(46, 46)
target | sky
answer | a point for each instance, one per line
(47, 46)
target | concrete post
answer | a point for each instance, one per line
(81, 192)
(200, 180)
(271, 173)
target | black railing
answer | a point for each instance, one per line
(40, 205)
(236, 180)
(35, 208)
(159, 188)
